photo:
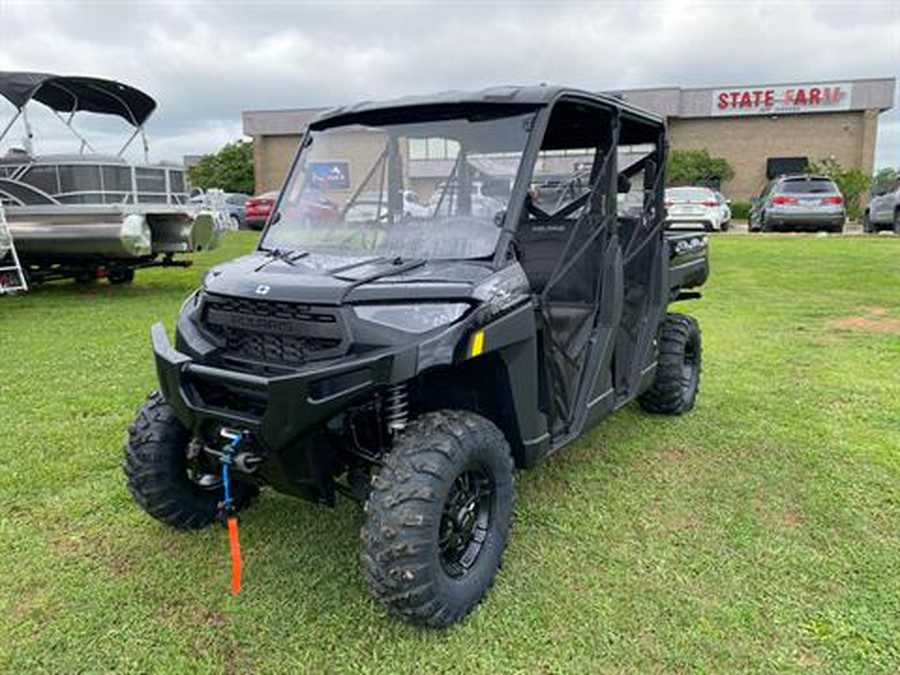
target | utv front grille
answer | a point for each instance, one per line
(274, 332)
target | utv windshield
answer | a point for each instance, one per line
(434, 188)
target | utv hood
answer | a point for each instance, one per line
(332, 280)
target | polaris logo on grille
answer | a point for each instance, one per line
(262, 324)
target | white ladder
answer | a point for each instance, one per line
(12, 278)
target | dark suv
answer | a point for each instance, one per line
(799, 202)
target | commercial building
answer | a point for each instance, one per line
(759, 129)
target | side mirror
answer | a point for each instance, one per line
(623, 184)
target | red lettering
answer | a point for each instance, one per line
(800, 99)
(815, 95)
(789, 97)
(735, 95)
(756, 96)
(770, 98)
(723, 101)
(745, 100)
(833, 96)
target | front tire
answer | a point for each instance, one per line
(868, 226)
(160, 477)
(438, 518)
(677, 382)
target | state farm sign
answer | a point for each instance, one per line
(787, 99)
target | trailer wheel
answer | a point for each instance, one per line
(674, 390)
(172, 488)
(438, 518)
(85, 277)
(119, 276)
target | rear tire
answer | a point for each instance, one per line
(677, 382)
(157, 471)
(438, 518)
(897, 222)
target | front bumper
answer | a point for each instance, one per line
(287, 407)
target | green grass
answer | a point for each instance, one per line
(761, 532)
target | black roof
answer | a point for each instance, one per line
(524, 97)
(65, 93)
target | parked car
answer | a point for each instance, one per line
(725, 206)
(257, 210)
(883, 212)
(799, 202)
(368, 205)
(692, 207)
(235, 203)
(485, 204)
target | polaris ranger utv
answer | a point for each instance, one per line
(412, 360)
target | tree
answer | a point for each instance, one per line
(230, 169)
(853, 183)
(696, 167)
(885, 180)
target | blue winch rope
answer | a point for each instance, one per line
(226, 462)
(227, 502)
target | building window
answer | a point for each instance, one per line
(418, 148)
(433, 148)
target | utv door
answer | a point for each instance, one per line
(567, 245)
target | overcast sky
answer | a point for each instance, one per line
(206, 62)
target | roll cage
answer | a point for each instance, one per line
(597, 276)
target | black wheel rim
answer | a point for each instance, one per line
(466, 520)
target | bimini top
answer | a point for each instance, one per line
(524, 97)
(64, 93)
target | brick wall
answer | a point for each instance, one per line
(746, 143)
(749, 141)
(272, 157)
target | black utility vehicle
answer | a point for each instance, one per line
(412, 360)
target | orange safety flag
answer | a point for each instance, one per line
(235, 555)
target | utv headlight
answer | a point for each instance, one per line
(418, 318)
(191, 302)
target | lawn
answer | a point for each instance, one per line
(760, 533)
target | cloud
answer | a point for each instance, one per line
(205, 62)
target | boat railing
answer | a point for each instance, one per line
(73, 182)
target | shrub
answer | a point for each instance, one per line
(740, 210)
(696, 167)
(853, 183)
(230, 169)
